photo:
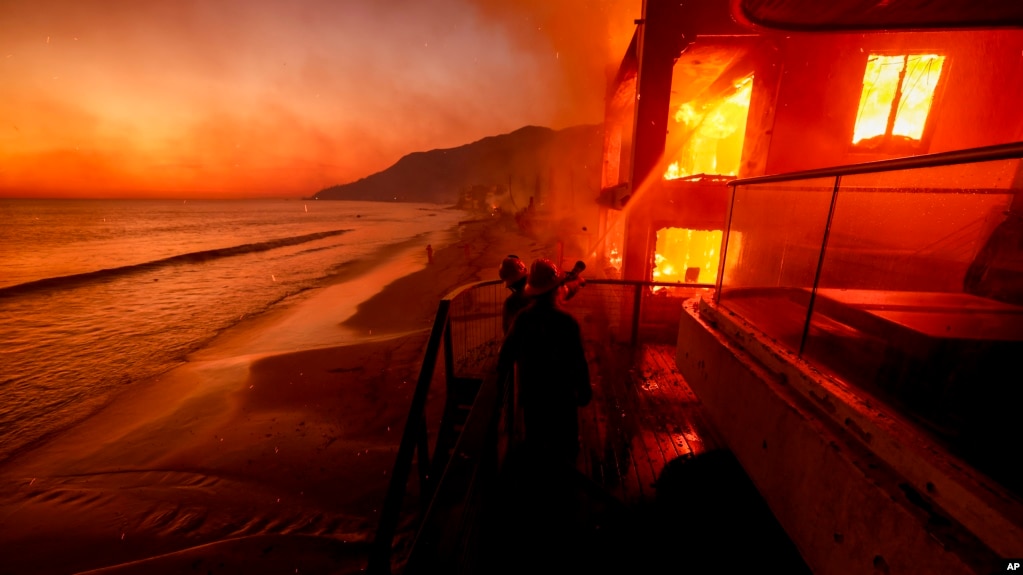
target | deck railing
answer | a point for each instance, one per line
(902, 277)
(467, 330)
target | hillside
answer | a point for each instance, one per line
(530, 162)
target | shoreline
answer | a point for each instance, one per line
(264, 332)
(283, 428)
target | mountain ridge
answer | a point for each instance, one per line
(524, 161)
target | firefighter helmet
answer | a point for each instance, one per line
(544, 276)
(512, 270)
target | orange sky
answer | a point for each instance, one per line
(236, 98)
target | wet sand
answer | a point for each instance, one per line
(266, 452)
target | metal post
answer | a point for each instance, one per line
(637, 300)
(380, 554)
(820, 265)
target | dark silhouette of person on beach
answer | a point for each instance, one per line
(513, 272)
(429, 254)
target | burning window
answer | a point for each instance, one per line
(684, 255)
(896, 99)
(716, 133)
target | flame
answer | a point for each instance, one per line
(897, 96)
(687, 115)
(716, 134)
(685, 255)
(615, 257)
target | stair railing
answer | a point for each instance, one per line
(415, 436)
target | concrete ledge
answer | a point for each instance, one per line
(857, 488)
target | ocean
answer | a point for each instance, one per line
(96, 295)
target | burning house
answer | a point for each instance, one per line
(850, 356)
(700, 100)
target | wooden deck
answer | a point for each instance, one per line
(653, 489)
(643, 415)
(656, 491)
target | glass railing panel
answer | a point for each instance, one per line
(773, 249)
(906, 307)
(912, 230)
(895, 245)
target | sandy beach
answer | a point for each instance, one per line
(266, 452)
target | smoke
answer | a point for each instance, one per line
(578, 46)
(263, 97)
(586, 39)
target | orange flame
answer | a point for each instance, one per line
(716, 134)
(684, 255)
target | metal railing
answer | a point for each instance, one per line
(862, 226)
(477, 313)
(467, 330)
(448, 536)
(1008, 151)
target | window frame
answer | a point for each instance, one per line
(887, 145)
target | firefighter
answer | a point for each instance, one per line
(513, 272)
(539, 484)
(545, 346)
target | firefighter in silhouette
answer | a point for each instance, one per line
(513, 272)
(538, 507)
(545, 346)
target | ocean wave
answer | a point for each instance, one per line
(61, 282)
